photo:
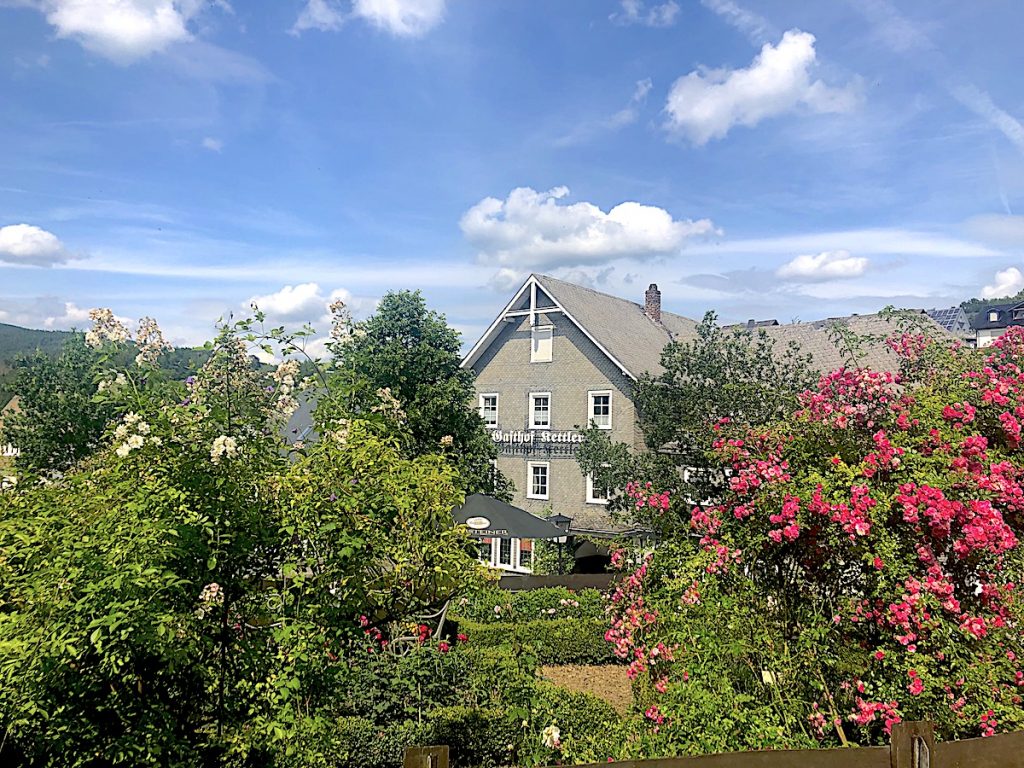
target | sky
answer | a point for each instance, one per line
(183, 159)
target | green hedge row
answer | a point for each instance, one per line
(496, 605)
(568, 641)
(486, 737)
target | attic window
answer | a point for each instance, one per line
(993, 316)
(540, 344)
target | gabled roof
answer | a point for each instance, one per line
(631, 340)
(1004, 316)
(947, 317)
(618, 327)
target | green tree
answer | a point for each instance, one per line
(413, 353)
(737, 375)
(193, 594)
(58, 423)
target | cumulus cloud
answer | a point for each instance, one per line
(637, 12)
(124, 30)
(1007, 282)
(27, 245)
(212, 144)
(531, 229)
(827, 265)
(73, 316)
(706, 104)
(307, 303)
(401, 18)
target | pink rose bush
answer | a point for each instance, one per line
(860, 566)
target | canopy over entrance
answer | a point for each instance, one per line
(486, 518)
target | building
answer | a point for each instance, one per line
(991, 323)
(560, 357)
(955, 321)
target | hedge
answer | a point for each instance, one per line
(566, 641)
(495, 605)
(477, 738)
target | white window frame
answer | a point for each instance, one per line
(535, 333)
(517, 548)
(533, 396)
(590, 407)
(497, 404)
(547, 480)
(591, 499)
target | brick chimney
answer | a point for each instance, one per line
(652, 303)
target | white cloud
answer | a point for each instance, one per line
(507, 279)
(301, 302)
(73, 316)
(212, 144)
(636, 12)
(626, 116)
(757, 29)
(705, 105)
(124, 30)
(530, 229)
(28, 245)
(401, 18)
(1007, 282)
(827, 265)
(319, 14)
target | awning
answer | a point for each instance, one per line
(486, 517)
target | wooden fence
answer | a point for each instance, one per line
(912, 746)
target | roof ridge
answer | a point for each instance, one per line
(540, 276)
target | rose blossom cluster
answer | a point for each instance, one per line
(105, 327)
(133, 433)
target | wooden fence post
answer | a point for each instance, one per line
(425, 757)
(912, 745)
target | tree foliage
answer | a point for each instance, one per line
(412, 352)
(194, 593)
(57, 423)
(739, 374)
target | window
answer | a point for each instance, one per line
(540, 410)
(489, 410)
(537, 480)
(993, 316)
(540, 344)
(596, 495)
(504, 551)
(600, 409)
(525, 558)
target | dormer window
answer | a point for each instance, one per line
(993, 316)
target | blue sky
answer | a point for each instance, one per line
(180, 158)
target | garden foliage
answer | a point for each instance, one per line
(194, 593)
(860, 564)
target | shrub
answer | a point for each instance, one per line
(562, 641)
(590, 730)
(551, 603)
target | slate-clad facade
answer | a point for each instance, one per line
(543, 375)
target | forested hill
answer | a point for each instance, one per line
(16, 341)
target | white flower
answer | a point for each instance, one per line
(8, 482)
(151, 342)
(105, 327)
(550, 737)
(156, 441)
(223, 446)
(123, 450)
(132, 418)
(446, 440)
(142, 428)
(135, 441)
(121, 432)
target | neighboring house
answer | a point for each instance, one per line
(955, 321)
(991, 323)
(560, 356)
